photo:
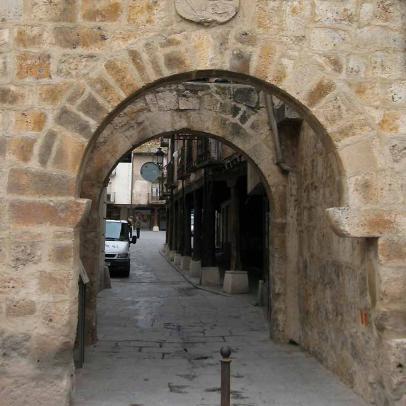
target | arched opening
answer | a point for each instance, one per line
(302, 176)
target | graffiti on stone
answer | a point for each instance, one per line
(207, 12)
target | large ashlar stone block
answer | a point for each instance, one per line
(32, 120)
(195, 268)
(368, 222)
(101, 10)
(185, 263)
(171, 255)
(65, 213)
(33, 65)
(39, 183)
(177, 259)
(236, 282)
(210, 276)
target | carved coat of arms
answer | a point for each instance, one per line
(207, 11)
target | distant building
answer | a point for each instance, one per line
(129, 195)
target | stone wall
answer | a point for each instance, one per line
(68, 67)
(331, 302)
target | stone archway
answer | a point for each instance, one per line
(171, 108)
(202, 109)
(59, 154)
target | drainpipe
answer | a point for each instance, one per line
(274, 129)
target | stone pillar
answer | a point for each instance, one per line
(196, 262)
(208, 242)
(235, 280)
(235, 259)
(179, 232)
(168, 228)
(173, 230)
(210, 275)
(155, 226)
(187, 247)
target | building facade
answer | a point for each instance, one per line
(130, 196)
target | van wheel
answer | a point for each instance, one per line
(126, 273)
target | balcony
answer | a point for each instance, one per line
(208, 152)
(154, 196)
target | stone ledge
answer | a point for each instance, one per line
(366, 222)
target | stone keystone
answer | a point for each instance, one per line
(207, 11)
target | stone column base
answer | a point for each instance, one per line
(210, 276)
(185, 263)
(155, 228)
(195, 268)
(177, 259)
(236, 282)
(171, 255)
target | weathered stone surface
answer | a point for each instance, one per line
(320, 91)
(167, 100)
(48, 213)
(207, 12)
(21, 148)
(39, 183)
(91, 107)
(52, 95)
(74, 122)
(20, 307)
(54, 284)
(119, 71)
(30, 120)
(11, 10)
(142, 12)
(30, 36)
(102, 87)
(45, 148)
(25, 253)
(188, 101)
(240, 61)
(11, 95)
(32, 65)
(57, 10)
(139, 64)
(73, 65)
(392, 251)
(69, 153)
(3, 147)
(365, 222)
(246, 95)
(105, 10)
(176, 61)
(62, 253)
(87, 38)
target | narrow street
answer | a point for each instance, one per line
(159, 341)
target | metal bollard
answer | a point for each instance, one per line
(225, 376)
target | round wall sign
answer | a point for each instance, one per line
(150, 171)
(207, 11)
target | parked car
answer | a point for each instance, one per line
(118, 237)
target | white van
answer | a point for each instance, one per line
(118, 237)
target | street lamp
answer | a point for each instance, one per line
(159, 155)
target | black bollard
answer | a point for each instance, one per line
(225, 376)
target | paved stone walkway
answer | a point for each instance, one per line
(159, 341)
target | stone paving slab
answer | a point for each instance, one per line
(159, 341)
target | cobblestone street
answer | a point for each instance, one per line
(159, 341)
